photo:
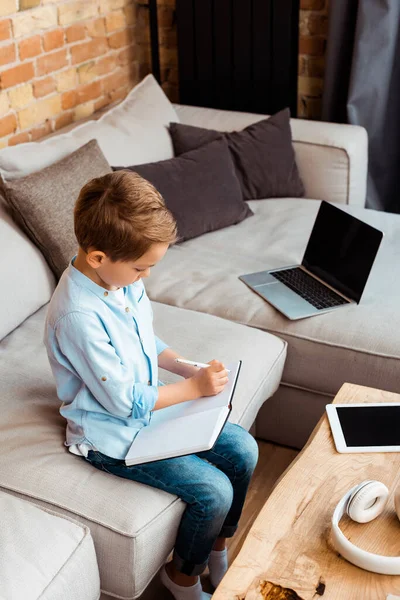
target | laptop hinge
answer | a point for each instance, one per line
(327, 285)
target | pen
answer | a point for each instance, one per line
(194, 364)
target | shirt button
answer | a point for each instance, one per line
(104, 378)
(106, 293)
(127, 309)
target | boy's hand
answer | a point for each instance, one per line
(212, 380)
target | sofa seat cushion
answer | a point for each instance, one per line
(133, 525)
(48, 556)
(358, 344)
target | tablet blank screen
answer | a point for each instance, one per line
(370, 425)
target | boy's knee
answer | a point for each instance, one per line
(220, 494)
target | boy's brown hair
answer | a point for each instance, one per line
(122, 215)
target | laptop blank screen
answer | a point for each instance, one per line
(341, 250)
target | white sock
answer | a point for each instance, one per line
(181, 592)
(218, 565)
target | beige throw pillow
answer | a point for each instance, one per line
(42, 203)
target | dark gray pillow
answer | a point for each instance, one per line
(263, 155)
(43, 202)
(200, 188)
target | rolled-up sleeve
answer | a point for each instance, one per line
(86, 346)
(160, 345)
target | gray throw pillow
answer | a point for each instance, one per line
(200, 188)
(42, 203)
(263, 155)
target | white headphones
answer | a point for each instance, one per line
(363, 503)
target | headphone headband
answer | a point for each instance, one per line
(357, 501)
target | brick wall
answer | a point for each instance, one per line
(61, 60)
(312, 47)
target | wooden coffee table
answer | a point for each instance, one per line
(288, 553)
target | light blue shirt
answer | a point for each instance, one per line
(103, 354)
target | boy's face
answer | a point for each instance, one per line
(123, 273)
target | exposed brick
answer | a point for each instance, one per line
(69, 99)
(87, 72)
(312, 108)
(168, 38)
(315, 66)
(130, 14)
(115, 20)
(84, 110)
(106, 64)
(312, 4)
(53, 39)
(16, 75)
(165, 16)
(75, 33)
(119, 94)
(7, 7)
(76, 11)
(312, 45)
(30, 47)
(5, 29)
(25, 4)
(109, 5)
(21, 96)
(168, 57)
(65, 80)
(4, 104)
(8, 125)
(115, 80)
(120, 38)
(88, 50)
(40, 132)
(7, 54)
(63, 120)
(101, 103)
(20, 138)
(96, 28)
(41, 18)
(51, 62)
(318, 24)
(39, 112)
(310, 86)
(127, 55)
(44, 87)
(171, 91)
(91, 91)
(302, 66)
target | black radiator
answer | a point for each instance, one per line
(238, 54)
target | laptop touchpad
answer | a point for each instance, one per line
(260, 278)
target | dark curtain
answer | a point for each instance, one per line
(362, 87)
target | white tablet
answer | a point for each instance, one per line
(365, 427)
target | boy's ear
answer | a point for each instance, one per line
(95, 258)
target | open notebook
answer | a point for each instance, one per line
(184, 428)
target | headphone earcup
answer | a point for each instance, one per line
(367, 501)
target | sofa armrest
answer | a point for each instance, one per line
(332, 158)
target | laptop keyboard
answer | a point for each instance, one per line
(309, 288)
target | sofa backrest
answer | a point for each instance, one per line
(25, 278)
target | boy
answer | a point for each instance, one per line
(104, 357)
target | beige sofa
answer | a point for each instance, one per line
(202, 310)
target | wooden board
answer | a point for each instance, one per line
(288, 553)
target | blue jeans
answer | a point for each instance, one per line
(214, 490)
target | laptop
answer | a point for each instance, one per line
(334, 270)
